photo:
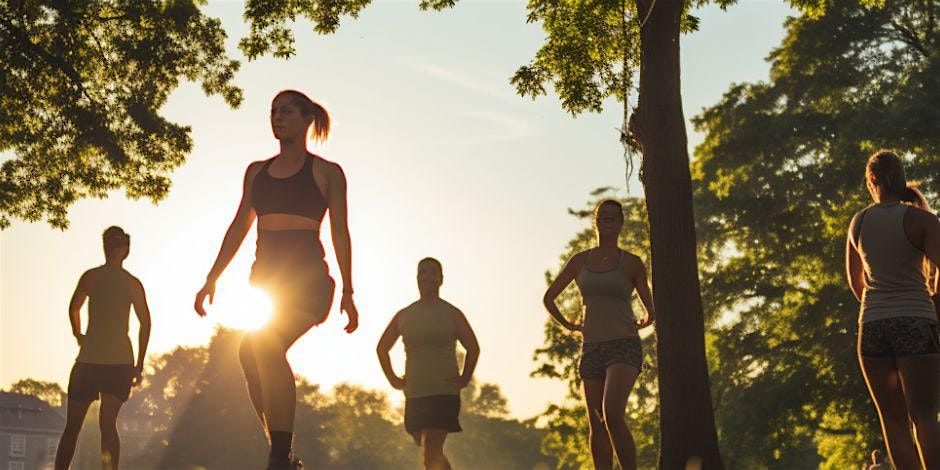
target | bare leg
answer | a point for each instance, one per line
(920, 376)
(617, 387)
(270, 346)
(75, 416)
(601, 451)
(110, 440)
(884, 384)
(246, 357)
(432, 449)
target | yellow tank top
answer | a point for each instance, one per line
(427, 330)
(109, 304)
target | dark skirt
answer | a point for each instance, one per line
(89, 381)
(433, 412)
(290, 266)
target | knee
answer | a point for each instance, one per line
(924, 420)
(613, 416)
(596, 422)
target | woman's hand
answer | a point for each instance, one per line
(138, 376)
(208, 289)
(347, 305)
(460, 382)
(649, 320)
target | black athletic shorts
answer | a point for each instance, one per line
(89, 381)
(898, 336)
(597, 357)
(290, 266)
(433, 412)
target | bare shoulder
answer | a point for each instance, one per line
(633, 263)
(88, 277)
(578, 259)
(254, 168)
(921, 216)
(324, 166)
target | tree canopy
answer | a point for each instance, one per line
(81, 86)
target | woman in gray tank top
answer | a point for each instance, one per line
(892, 249)
(612, 355)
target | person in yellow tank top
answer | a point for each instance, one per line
(105, 364)
(430, 328)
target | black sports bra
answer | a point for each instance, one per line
(297, 194)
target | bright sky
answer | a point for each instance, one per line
(442, 158)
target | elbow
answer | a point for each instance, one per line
(548, 300)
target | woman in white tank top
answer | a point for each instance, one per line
(611, 353)
(892, 249)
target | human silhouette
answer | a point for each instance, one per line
(888, 246)
(611, 355)
(429, 329)
(105, 364)
(289, 194)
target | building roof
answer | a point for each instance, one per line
(18, 411)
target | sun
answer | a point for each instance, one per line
(243, 307)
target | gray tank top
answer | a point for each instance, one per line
(430, 338)
(895, 285)
(109, 306)
(607, 296)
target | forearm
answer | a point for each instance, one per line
(76, 321)
(556, 313)
(343, 247)
(233, 239)
(470, 363)
(386, 362)
(646, 298)
(143, 340)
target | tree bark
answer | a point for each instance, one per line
(687, 424)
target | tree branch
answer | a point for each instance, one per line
(910, 38)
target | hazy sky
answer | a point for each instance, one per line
(442, 158)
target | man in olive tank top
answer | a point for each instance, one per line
(430, 328)
(105, 365)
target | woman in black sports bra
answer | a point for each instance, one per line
(289, 194)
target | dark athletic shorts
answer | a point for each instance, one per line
(88, 381)
(596, 357)
(289, 265)
(899, 336)
(433, 412)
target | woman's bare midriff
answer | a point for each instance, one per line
(276, 222)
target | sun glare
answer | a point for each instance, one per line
(247, 308)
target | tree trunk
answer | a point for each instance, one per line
(687, 425)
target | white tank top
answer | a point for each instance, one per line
(895, 285)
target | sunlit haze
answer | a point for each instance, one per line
(442, 159)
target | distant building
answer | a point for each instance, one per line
(29, 432)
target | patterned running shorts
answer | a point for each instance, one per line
(899, 336)
(596, 357)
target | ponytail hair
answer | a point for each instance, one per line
(886, 170)
(320, 125)
(914, 197)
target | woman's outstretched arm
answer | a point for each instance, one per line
(234, 236)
